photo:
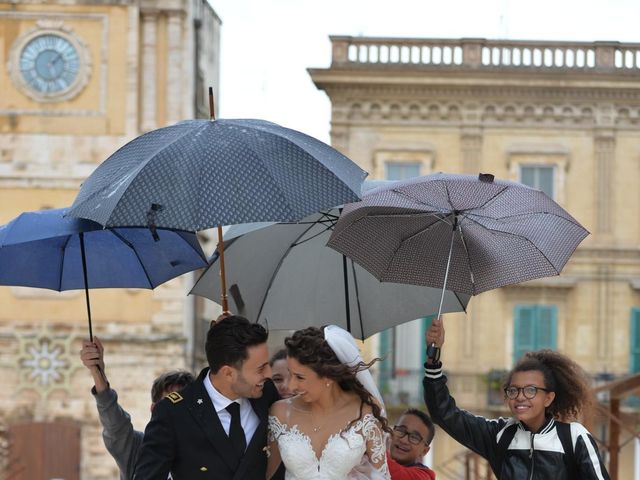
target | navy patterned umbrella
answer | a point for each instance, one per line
(200, 174)
(465, 233)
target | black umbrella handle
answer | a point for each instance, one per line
(433, 353)
(86, 284)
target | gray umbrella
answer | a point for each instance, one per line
(284, 276)
(199, 174)
(470, 234)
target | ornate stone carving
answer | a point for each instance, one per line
(45, 361)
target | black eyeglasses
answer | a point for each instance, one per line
(529, 392)
(414, 437)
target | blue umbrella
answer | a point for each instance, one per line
(45, 249)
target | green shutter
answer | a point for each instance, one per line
(547, 327)
(535, 327)
(523, 332)
(634, 348)
(386, 362)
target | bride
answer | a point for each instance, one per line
(334, 427)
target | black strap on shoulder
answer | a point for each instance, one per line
(564, 434)
(503, 446)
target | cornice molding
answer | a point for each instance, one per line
(366, 91)
(485, 112)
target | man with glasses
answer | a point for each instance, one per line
(410, 442)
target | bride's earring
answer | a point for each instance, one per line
(328, 384)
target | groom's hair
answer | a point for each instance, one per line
(228, 341)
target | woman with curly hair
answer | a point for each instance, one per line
(334, 427)
(546, 392)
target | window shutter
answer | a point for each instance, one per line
(547, 327)
(634, 348)
(524, 339)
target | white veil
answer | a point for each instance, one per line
(345, 348)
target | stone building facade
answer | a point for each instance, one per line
(560, 116)
(117, 69)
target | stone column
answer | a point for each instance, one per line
(340, 50)
(471, 149)
(175, 73)
(148, 119)
(133, 91)
(604, 149)
(603, 313)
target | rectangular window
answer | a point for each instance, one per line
(535, 328)
(401, 170)
(634, 348)
(539, 177)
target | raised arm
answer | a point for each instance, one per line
(474, 432)
(92, 356)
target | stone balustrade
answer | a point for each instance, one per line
(481, 53)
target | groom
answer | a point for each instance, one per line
(215, 428)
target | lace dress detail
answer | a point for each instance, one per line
(344, 456)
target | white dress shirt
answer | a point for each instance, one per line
(248, 418)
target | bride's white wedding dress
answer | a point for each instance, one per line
(344, 456)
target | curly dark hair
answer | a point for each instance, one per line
(563, 376)
(310, 349)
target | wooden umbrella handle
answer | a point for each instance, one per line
(223, 278)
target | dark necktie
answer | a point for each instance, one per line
(236, 433)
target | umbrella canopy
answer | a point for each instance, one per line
(199, 174)
(482, 233)
(43, 249)
(284, 276)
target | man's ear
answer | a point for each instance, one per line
(227, 372)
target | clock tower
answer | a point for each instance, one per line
(79, 79)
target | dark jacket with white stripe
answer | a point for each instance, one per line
(530, 455)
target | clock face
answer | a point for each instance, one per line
(49, 64)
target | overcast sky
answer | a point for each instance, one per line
(267, 45)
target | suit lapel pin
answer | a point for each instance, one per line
(199, 401)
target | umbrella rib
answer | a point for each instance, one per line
(140, 167)
(64, 252)
(466, 251)
(321, 221)
(412, 236)
(517, 236)
(128, 244)
(417, 200)
(491, 199)
(411, 215)
(527, 214)
(277, 269)
(355, 286)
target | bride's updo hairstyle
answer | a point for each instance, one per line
(309, 347)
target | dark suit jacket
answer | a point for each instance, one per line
(186, 438)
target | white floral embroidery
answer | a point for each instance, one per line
(343, 457)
